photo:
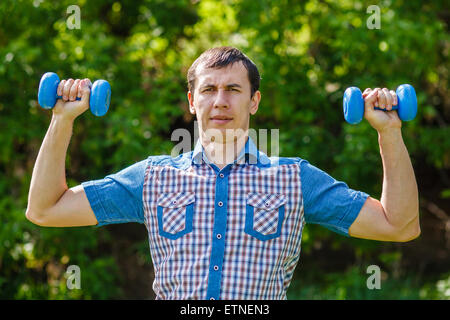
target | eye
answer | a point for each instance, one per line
(207, 89)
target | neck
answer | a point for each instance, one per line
(222, 153)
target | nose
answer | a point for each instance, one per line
(221, 100)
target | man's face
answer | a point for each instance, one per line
(222, 102)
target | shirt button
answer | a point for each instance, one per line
(216, 268)
(221, 175)
(219, 236)
(267, 203)
(220, 203)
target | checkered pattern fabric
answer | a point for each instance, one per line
(233, 233)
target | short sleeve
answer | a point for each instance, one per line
(118, 197)
(329, 202)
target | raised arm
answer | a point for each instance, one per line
(50, 201)
(396, 216)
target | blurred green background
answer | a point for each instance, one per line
(308, 53)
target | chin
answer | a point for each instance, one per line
(223, 134)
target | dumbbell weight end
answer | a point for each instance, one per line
(100, 97)
(353, 105)
(47, 90)
(407, 102)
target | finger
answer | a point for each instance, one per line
(85, 89)
(394, 97)
(371, 99)
(366, 92)
(80, 85)
(381, 99)
(74, 90)
(60, 87)
(89, 83)
(388, 98)
(66, 89)
(376, 104)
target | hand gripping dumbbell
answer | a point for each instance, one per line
(354, 104)
(99, 98)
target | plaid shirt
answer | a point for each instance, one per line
(233, 233)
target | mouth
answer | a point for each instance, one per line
(220, 119)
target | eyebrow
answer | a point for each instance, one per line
(228, 85)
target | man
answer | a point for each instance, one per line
(224, 220)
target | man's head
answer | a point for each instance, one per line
(223, 88)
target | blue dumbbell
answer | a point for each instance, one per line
(99, 98)
(354, 104)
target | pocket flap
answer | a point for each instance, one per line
(175, 199)
(266, 201)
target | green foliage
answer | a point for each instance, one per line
(352, 285)
(308, 52)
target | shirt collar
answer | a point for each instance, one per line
(249, 154)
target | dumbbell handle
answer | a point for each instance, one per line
(393, 108)
(76, 98)
(59, 97)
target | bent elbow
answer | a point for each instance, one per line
(411, 233)
(416, 232)
(409, 237)
(34, 217)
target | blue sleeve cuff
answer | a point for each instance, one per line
(352, 213)
(96, 204)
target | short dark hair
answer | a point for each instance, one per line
(220, 57)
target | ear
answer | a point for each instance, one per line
(191, 102)
(255, 102)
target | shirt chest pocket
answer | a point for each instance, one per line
(264, 215)
(175, 212)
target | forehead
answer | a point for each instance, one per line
(232, 73)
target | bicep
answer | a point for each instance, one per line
(72, 210)
(372, 223)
